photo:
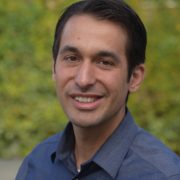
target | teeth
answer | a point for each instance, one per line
(85, 99)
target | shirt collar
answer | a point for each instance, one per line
(111, 155)
(66, 143)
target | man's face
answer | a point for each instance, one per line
(91, 71)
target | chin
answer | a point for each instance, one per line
(83, 124)
(87, 123)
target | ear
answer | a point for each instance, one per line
(136, 78)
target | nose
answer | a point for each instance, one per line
(85, 75)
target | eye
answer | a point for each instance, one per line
(105, 63)
(71, 59)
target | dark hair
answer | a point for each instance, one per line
(116, 11)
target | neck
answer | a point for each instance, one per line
(89, 140)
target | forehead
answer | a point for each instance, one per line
(94, 23)
(90, 29)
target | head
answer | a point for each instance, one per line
(98, 51)
(116, 11)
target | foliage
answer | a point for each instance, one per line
(29, 111)
(157, 104)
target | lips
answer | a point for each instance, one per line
(86, 101)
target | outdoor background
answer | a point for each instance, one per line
(29, 110)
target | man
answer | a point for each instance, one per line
(99, 54)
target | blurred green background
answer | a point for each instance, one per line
(29, 110)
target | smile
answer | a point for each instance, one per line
(85, 99)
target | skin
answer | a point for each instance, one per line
(91, 80)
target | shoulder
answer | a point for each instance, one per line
(43, 151)
(46, 147)
(39, 159)
(154, 153)
(50, 141)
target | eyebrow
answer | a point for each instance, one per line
(102, 53)
(68, 48)
(109, 54)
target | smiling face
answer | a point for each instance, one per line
(91, 71)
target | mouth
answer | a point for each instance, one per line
(88, 101)
(82, 99)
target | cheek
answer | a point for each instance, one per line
(60, 82)
(62, 75)
(117, 86)
(63, 79)
(111, 80)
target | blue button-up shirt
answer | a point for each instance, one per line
(130, 153)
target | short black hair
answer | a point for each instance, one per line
(116, 11)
